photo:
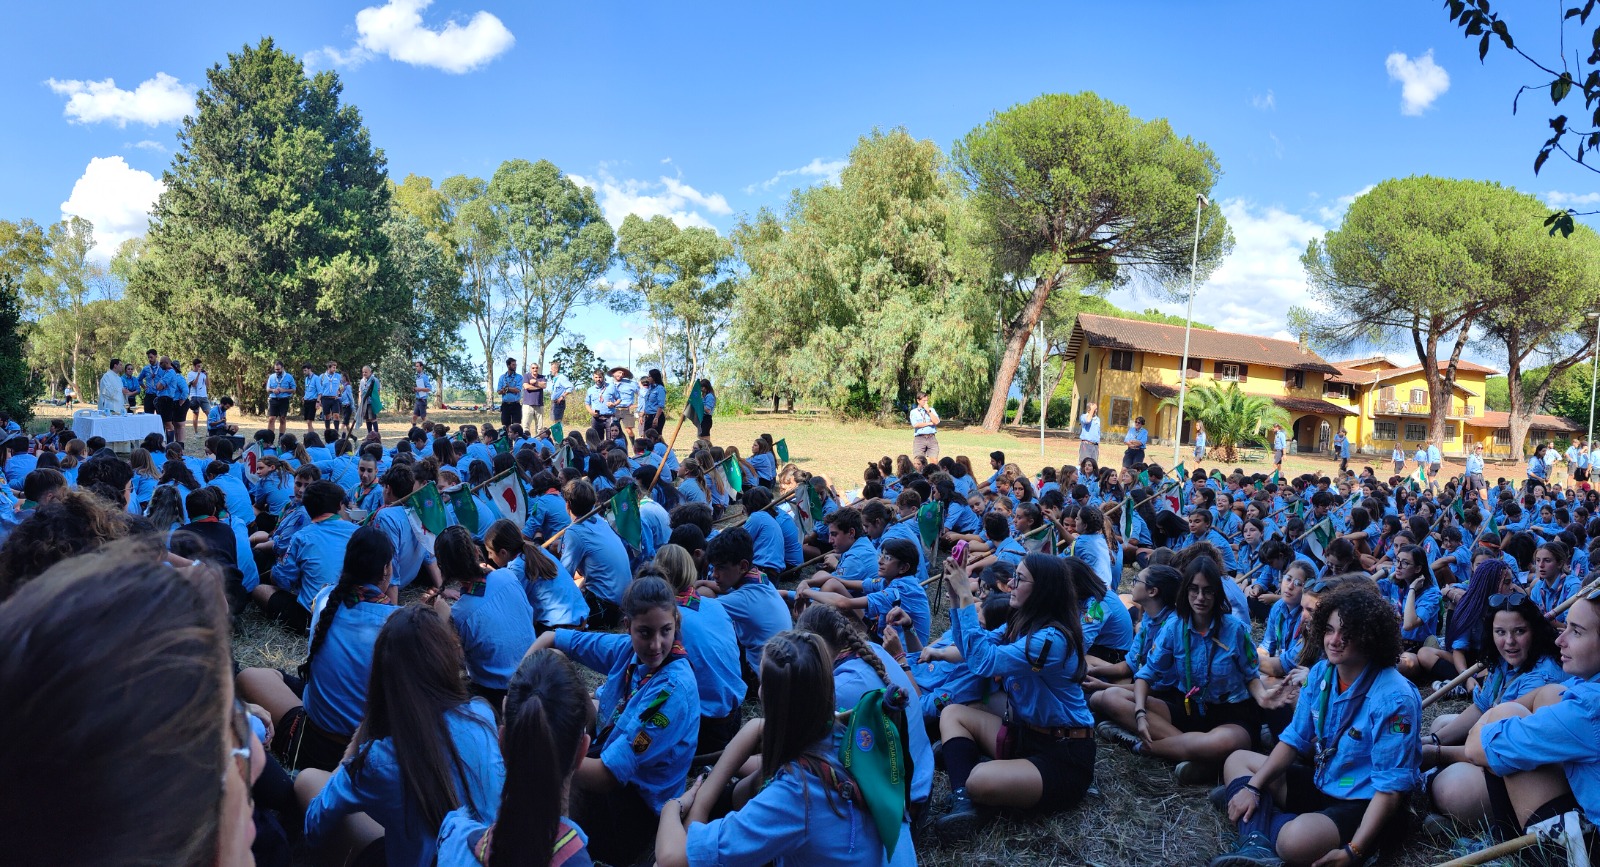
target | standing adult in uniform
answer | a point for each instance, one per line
(560, 386)
(280, 387)
(623, 397)
(147, 380)
(533, 386)
(595, 400)
(1475, 471)
(330, 387)
(1089, 433)
(1135, 441)
(199, 393)
(924, 429)
(422, 391)
(1279, 444)
(509, 387)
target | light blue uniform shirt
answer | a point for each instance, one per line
(595, 551)
(1503, 684)
(1139, 435)
(1091, 548)
(1379, 751)
(409, 555)
(649, 726)
(854, 678)
(311, 387)
(1549, 598)
(768, 538)
(279, 380)
(496, 629)
(906, 592)
(547, 515)
(235, 496)
(1090, 432)
(313, 559)
(1279, 441)
(1143, 643)
(713, 648)
(595, 399)
(758, 613)
(336, 693)
(328, 385)
(625, 393)
(461, 830)
(559, 385)
(960, 518)
(1039, 670)
(1564, 732)
(380, 791)
(1434, 455)
(793, 545)
(425, 384)
(655, 400)
(766, 467)
(1217, 667)
(556, 601)
(922, 422)
(1106, 623)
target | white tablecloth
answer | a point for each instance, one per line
(115, 428)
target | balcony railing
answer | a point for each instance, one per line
(1395, 407)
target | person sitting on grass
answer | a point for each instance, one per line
(1324, 795)
(547, 716)
(648, 716)
(1285, 621)
(1410, 588)
(1204, 661)
(1155, 591)
(942, 675)
(998, 542)
(712, 645)
(489, 610)
(556, 600)
(591, 548)
(1540, 748)
(1519, 653)
(757, 609)
(1048, 763)
(311, 560)
(853, 562)
(894, 587)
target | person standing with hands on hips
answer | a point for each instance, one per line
(509, 386)
(924, 429)
(559, 386)
(1089, 433)
(1135, 441)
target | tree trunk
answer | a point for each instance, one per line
(1017, 333)
(775, 402)
(1519, 432)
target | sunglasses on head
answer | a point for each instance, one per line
(1318, 586)
(1506, 600)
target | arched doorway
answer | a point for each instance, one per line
(1311, 434)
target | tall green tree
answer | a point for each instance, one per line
(478, 240)
(268, 241)
(856, 295)
(22, 253)
(556, 245)
(1074, 183)
(57, 296)
(683, 278)
(1416, 261)
(579, 362)
(429, 330)
(1231, 417)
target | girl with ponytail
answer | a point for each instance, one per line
(546, 733)
(557, 602)
(317, 713)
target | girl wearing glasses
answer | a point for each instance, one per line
(1215, 708)
(1520, 655)
(1411, 590)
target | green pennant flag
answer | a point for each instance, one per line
(814, 503)
(1180, 471)
(730, 466)
(1459, 507)
(1418, 479)
(782, 448)
(557, 433)
(1493, 528)
(625, 515)
(1144, 478)
(428, 506)
(1319, 537)
(1276, 477)
(929, 524)
(1299, 508)
(874, 755)
(696, 408)
(466, 507)
(1127, 517)
(502, 444)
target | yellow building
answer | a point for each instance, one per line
(1129, 366)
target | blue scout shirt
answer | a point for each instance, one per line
(509, 380)
(311, 387)
(409, 554)
(424, 386)
(853, 677)
(655, 400)
(380, 791)
(793, 547)
(495, 622)
(595, 399)
(960, 518)
(1549, 598)
(556, 601)
(314, 559)
(713, 648)
(625, 393)
(328, 385)
(547, 515)
(1106, 623)
(236, 497)
(1283, 627)
(1564, 732)
(1503, 684)
(766, 467)
(768, 538)
(859, 562)
(1214, 669)
(461, 830)
(1143, 643)
(336, 692)
(1230, 562)
(279, 380)
(1091, 548)
(1090, 429)
(906, 592)
(1373, 738)
(1039, 670)
(147, 378)
(595, 551)
(649, 722)
(758, 613)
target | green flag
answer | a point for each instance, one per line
(428, 506)
(874, 754)
(1127, 517)
(625, 516)
(557, 433)
(1222, 479)
(814, 503)
(1419, 479)
(1144, 478)
(1459, 507)
(502, 444)
(1180, 471)
(696, 409)
(1319, 537)
(1276, 477)
(730, 467)
(466, 507)
(1299, 508)
(1493, 528)
(928, 524)
(782, 448)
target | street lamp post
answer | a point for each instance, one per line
(1594, 373)
(1200, 203)
(630, 353)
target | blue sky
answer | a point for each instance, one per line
(707, 111)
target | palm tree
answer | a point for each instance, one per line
(1231, 416)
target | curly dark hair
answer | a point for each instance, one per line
(1367, 619)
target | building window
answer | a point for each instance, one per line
(1121, 412)
(1450, 431)
(1386, 393)
(1384, 430)
(1416, 431)
(1121, 359)
(1419, 396)
(1294, 378)
(1228, 372)
(1502, 437)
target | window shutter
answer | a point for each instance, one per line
(1244, 372)
(1194, 364)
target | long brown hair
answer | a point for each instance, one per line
(797, 697)
(547, 711)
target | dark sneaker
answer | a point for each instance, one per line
(1218, 796)
(1118, 735)
(1196, 773)
(961, 822)
(1253, 851)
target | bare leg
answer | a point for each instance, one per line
(1460, 792)
(265, 687)
(356, 832)
(1000, 783)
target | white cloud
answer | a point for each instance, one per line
(159, 100)
(1332, 213)
(396, 31)
(1557, 199)
(669, 197)
(827, 170)
(1267, 102)
(1421, 81)
(114, 197)
(148, 145)
(1277, 146)
(1252, 290)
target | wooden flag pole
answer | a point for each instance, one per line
(592, 512)
(672, 444)
(1165, 484)
(1497, 851)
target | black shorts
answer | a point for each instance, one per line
(308, 410)
(277, 407)
(1244, 714)
(164, 407)
(149, 403)
(620, 823)
(717, 731)
(1065, 765)
(300, 743)
(1304, 797)
(510, 413)
(558, 409)
(287, 610)
(421, 409)
(1107, 654)
(330, 408)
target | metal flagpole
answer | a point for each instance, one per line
(1044, 347)
(1183, 369)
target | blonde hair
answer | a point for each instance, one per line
(677, 566)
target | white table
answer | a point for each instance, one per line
(115, 428)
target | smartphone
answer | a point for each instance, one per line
(959, 551)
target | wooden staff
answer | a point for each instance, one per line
(1499, 850)
(672, 443)
(1461, 678)
(592, 512)
(1240, 580)
(1165, 484)
(817, 559)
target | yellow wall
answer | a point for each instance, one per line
(1466, 404)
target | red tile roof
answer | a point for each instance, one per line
(1349, 373)
(1292, 404)
(1498, 420)
(1108, 332)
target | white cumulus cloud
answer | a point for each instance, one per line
(668, 197)
(116, 198)
(1421, 81)
(1264, 102)
(159, 100)
(827, 170)
(396, 31)
(147, 145)
(1332, 213)
(1252, 290)
(1556, 199)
